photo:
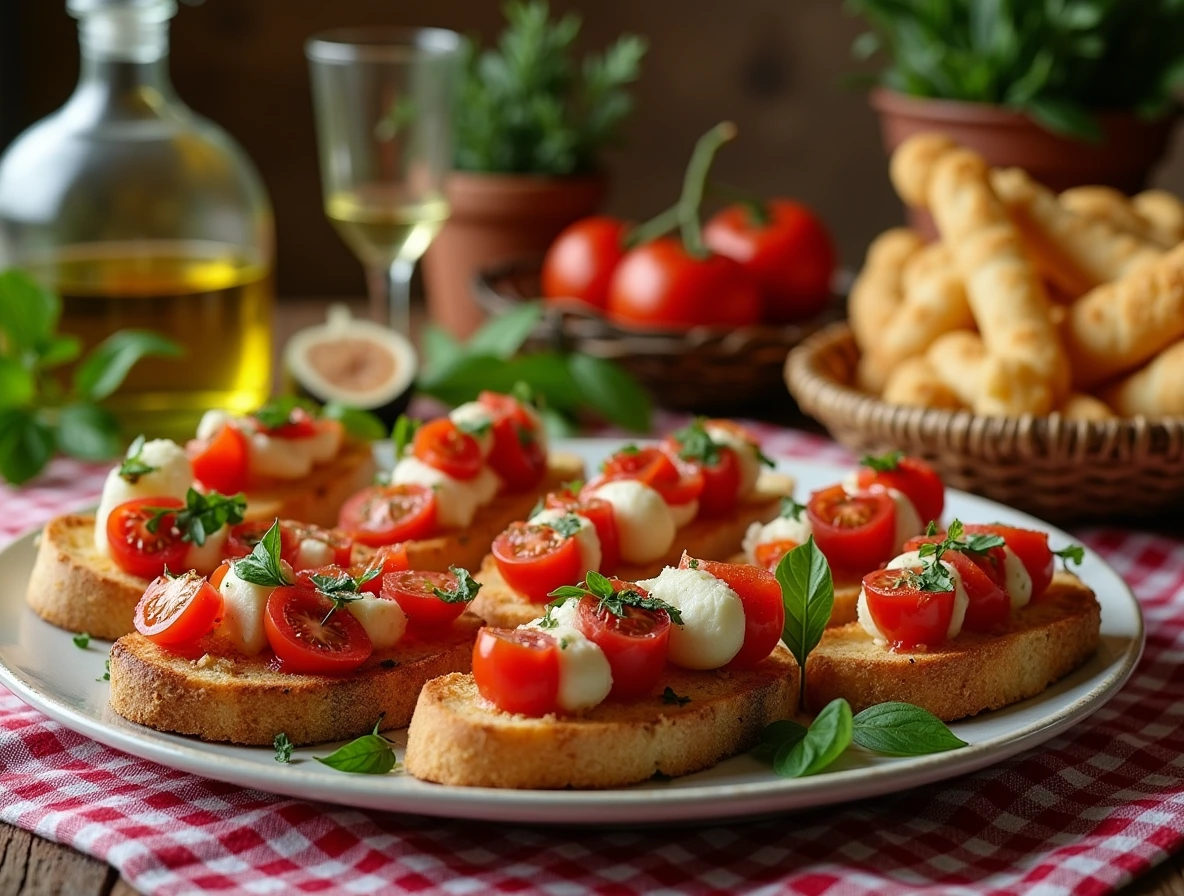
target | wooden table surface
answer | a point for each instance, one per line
(33, 866)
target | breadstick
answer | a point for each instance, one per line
(1079, 406)
(1074, 252)
(912, 166)
(914, 382)
(1006, 296)
(1164, 212)
(876, 292)
(1156, 390)
(1113, 207)
(1119, 326)
(958, 359)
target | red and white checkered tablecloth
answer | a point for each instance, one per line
(1084, 813)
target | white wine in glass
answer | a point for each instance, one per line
(383, 101)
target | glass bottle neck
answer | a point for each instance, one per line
(125, 65)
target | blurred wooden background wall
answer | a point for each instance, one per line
(775, 67)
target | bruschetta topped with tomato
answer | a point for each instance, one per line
(699, 490)
(615, 682)
(260, 648)
(457, 481)
(964, 620)
(288, 461)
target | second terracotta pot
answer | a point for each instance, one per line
(494, 218)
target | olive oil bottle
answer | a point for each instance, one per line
(142, 214)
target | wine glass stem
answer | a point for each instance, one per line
(390, 294)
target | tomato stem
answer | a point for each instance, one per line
(694, 183)
(659, 225)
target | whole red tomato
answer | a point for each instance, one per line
(790, 255)
(581, 261)
(660, 284)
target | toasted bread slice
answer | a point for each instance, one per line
(247, 701)
(77, 588)
(317, 498)
(1042, 642)
(456, 737)
(713, 538)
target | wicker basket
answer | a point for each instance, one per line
(704, 369)
(1055, 468)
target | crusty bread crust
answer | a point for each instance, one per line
(713, 538)
(458, 738)
(75, 587)
(1043, 642)
(247, 701)
(317, 497)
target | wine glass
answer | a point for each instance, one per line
(383, 104)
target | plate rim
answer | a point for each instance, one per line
(709, 800)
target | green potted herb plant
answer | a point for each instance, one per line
(530, 125)
(1075, 91)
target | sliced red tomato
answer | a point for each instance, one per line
(448, 448)
(388, 558)
(1032, 549)
(518, 455)
(219, 574)
(721, 479)
(535, 559)
(769, 554)
(242, 540)
(386, 514)
(139, 552)
(177, 610)
(855, 532)
(635, 644)
(415, 592)
(912, 477)
(906, 616)
(677, 481)
(299, 425)
(517, 670)
(764, 610)
(600, 513)
(988, 606)
(221, 463)
(992, 561)
(306, 641)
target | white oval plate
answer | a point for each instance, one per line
(41, 664)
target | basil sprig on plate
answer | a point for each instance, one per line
(370, 754)
(808, 593)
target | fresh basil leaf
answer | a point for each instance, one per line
(358, 423)
(902, 729)
(81, 640)
(104, 369)
(808, 593)
(566, 592)
(58, 350)
(611, 391)
(466, 587)
(28, 311)
(205, 513)
(17, 385)
(1074, 554)
(440, 351)
(883, 463)
(403, 434)
(775, 735)
(88, 432)
(598, 583)
(695, 443)
(567, 525)
(26, 445)
(283, 748)
(791, 509)
(370, 754)
(504, 335)
(825, 740)
(262, 565)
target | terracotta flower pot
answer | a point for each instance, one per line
(494, 218)
(1123, 159)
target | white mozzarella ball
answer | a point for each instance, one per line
(644, 522)
(586, 538)
(747, 453)
(779, 529)
(172, 478)
(384, 620)
(712, 629)
(475, 419)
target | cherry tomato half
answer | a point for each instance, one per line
(598, 512)
(139, 552)
(535, 559)
(221, 464)
(337, 546)
(443, 445)
(308, 642)
(769, 554)
(388, 558)
(581, 261)
(386, 514)
(905, 615)
(677, 481)
(787, 252)
(659, 284)
(517, 670)
(1032, 549)
(764, 610)
(518, 455)
(721, 479)
(415, 593)
(913, 478)
(177, 610)
(855, 532)
(635, 644)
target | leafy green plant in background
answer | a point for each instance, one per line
(565, 384)
(526, 106)
(1059, 61)
(38, 416)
